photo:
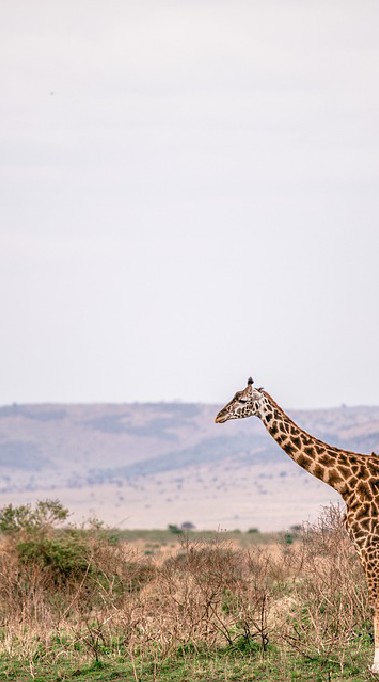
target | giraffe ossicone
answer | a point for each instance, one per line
(355, 476)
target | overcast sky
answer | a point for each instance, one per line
(189, 195)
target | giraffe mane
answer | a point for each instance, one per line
(277, 407)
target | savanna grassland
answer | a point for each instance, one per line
(94, 604)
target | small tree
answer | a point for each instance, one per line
(33, 531)
(187, 525)
(45, 516)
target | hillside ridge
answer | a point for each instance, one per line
(154, 463)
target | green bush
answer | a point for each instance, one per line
(45, 516)
(65, 554)
(37, 540)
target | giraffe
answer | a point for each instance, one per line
(354, 476)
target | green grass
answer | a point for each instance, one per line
(166, 537)
(188, 665)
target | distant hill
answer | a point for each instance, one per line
(152, 464)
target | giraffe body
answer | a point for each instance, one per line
(355, 477)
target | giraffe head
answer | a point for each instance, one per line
(246, 403)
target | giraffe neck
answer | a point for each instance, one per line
(313, 455)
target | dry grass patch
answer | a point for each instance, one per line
(77, 595)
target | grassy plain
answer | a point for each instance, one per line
(216, 666)
(161, 605)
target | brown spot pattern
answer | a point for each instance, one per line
(354, 476)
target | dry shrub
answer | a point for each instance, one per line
(207, 595)
(57, 577)
(72, 590)
(93, 608)
(23, 590)
(329, 601)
